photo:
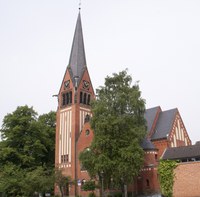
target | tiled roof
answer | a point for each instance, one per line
(182, 152)
(164, 124)
(77, 61)
(150, 115)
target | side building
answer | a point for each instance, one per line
(165, 129)
(187, 172)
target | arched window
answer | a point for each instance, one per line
(70, 97)
(67, 98)
(87, 118)
(88, 100)
(156, 157)
(63, 99)
(85, 98)
(147, 182)
(81, 97)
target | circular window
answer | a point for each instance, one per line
(87, 132)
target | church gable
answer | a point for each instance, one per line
(85, 86)
(67, 82)
(66, 91)
(178, 136)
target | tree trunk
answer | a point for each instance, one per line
(125, 190)
(122, 189)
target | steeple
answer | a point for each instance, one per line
(77, 61)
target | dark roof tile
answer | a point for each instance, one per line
(164, 124)
(150, 115)
(182, 152)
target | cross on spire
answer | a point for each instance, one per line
(79, 4)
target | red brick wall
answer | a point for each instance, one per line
(147, 181)
(149, 172)
(75, 125)
(150, 158)
(187, 180)
(161, 145)
(83, 142)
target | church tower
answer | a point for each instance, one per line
(74, 97)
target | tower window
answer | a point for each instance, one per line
(64, 158)
(81, 97)
(63, 99)
(85, 98)
(70, 97)
(67, 98)
(88, 100)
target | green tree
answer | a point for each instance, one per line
(11, 180)
(119, 126)
(39, 180)
(48, 126)
(26, 152)
(166, 176)
(89, 186)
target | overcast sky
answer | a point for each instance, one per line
(157, 40)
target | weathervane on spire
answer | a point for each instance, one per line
(79, 4)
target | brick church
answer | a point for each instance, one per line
(73, 132)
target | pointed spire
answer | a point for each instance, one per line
(77, 61)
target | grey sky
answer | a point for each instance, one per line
(157, 40)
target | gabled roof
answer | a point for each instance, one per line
(150, 115)
(77, 61)
(164, 124)
(159, 123)
(182, 152)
